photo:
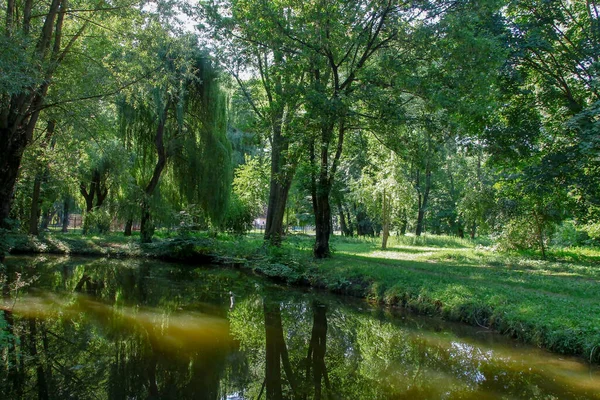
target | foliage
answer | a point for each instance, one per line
(568, 234)
(180, 115)
(251, 184)
(97, 221)
(518, 234)
(239, 216)
(191, 218)
(593, 231)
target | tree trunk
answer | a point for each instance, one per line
(386, 221)
(101, 192)
(15, 376)
(540, 231)
(404, 225)
(40, 176)
(42, 386)
(88, 196)
(12, 146)
(128, 226)
(272, 356)
(89, 202)
(46, 218)
(65, 216)
(146, 226)
(321, 186)
(473, 229)
(349, 222)
(280, 182)
(276, 210)
(322, 212)
(461, 231)
(34, 213)
(93, 193)
(343, 226)
(423, 202)
(316, 350)
(420, 217)
(46, 347)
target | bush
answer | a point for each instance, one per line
(592, 230)
(568, 234)
(518, 234)
(97, 221)
(239, 216)
(191, 219)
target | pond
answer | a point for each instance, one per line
(82, 328)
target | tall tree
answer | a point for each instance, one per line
(38, 38)
(338, 42)
(180, 114)
(249, 44)
(556, 61)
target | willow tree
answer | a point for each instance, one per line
(179, 121)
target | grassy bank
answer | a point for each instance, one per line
(554, 304)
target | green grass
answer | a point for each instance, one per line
(552, 303)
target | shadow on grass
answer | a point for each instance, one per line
(448, 242)
(387, 270)
(568, 255)
(377, 249)
(409, 250)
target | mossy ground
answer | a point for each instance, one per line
(552, 303)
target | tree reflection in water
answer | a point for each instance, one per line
(98, 329)
(276, 355)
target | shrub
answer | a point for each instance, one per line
(191, 219)
(568, 234)
(592, 229)
(518, 234)
(97, 221)
(239, 216)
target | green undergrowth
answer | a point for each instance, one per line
(551, 303)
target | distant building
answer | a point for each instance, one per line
(260, 222)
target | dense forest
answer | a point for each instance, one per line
(360, 117)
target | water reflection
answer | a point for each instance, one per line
(98, 329)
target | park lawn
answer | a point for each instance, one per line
(552, 303)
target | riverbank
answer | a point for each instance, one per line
(553, 304)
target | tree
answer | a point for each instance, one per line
(41, 172)
(383, 189)
(246, 32)
(37, 40)
(338, 41)
(180, 115)
(555, 62)
(251, 183)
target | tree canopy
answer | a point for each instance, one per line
(363, 117)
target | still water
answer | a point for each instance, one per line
(125, 329)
